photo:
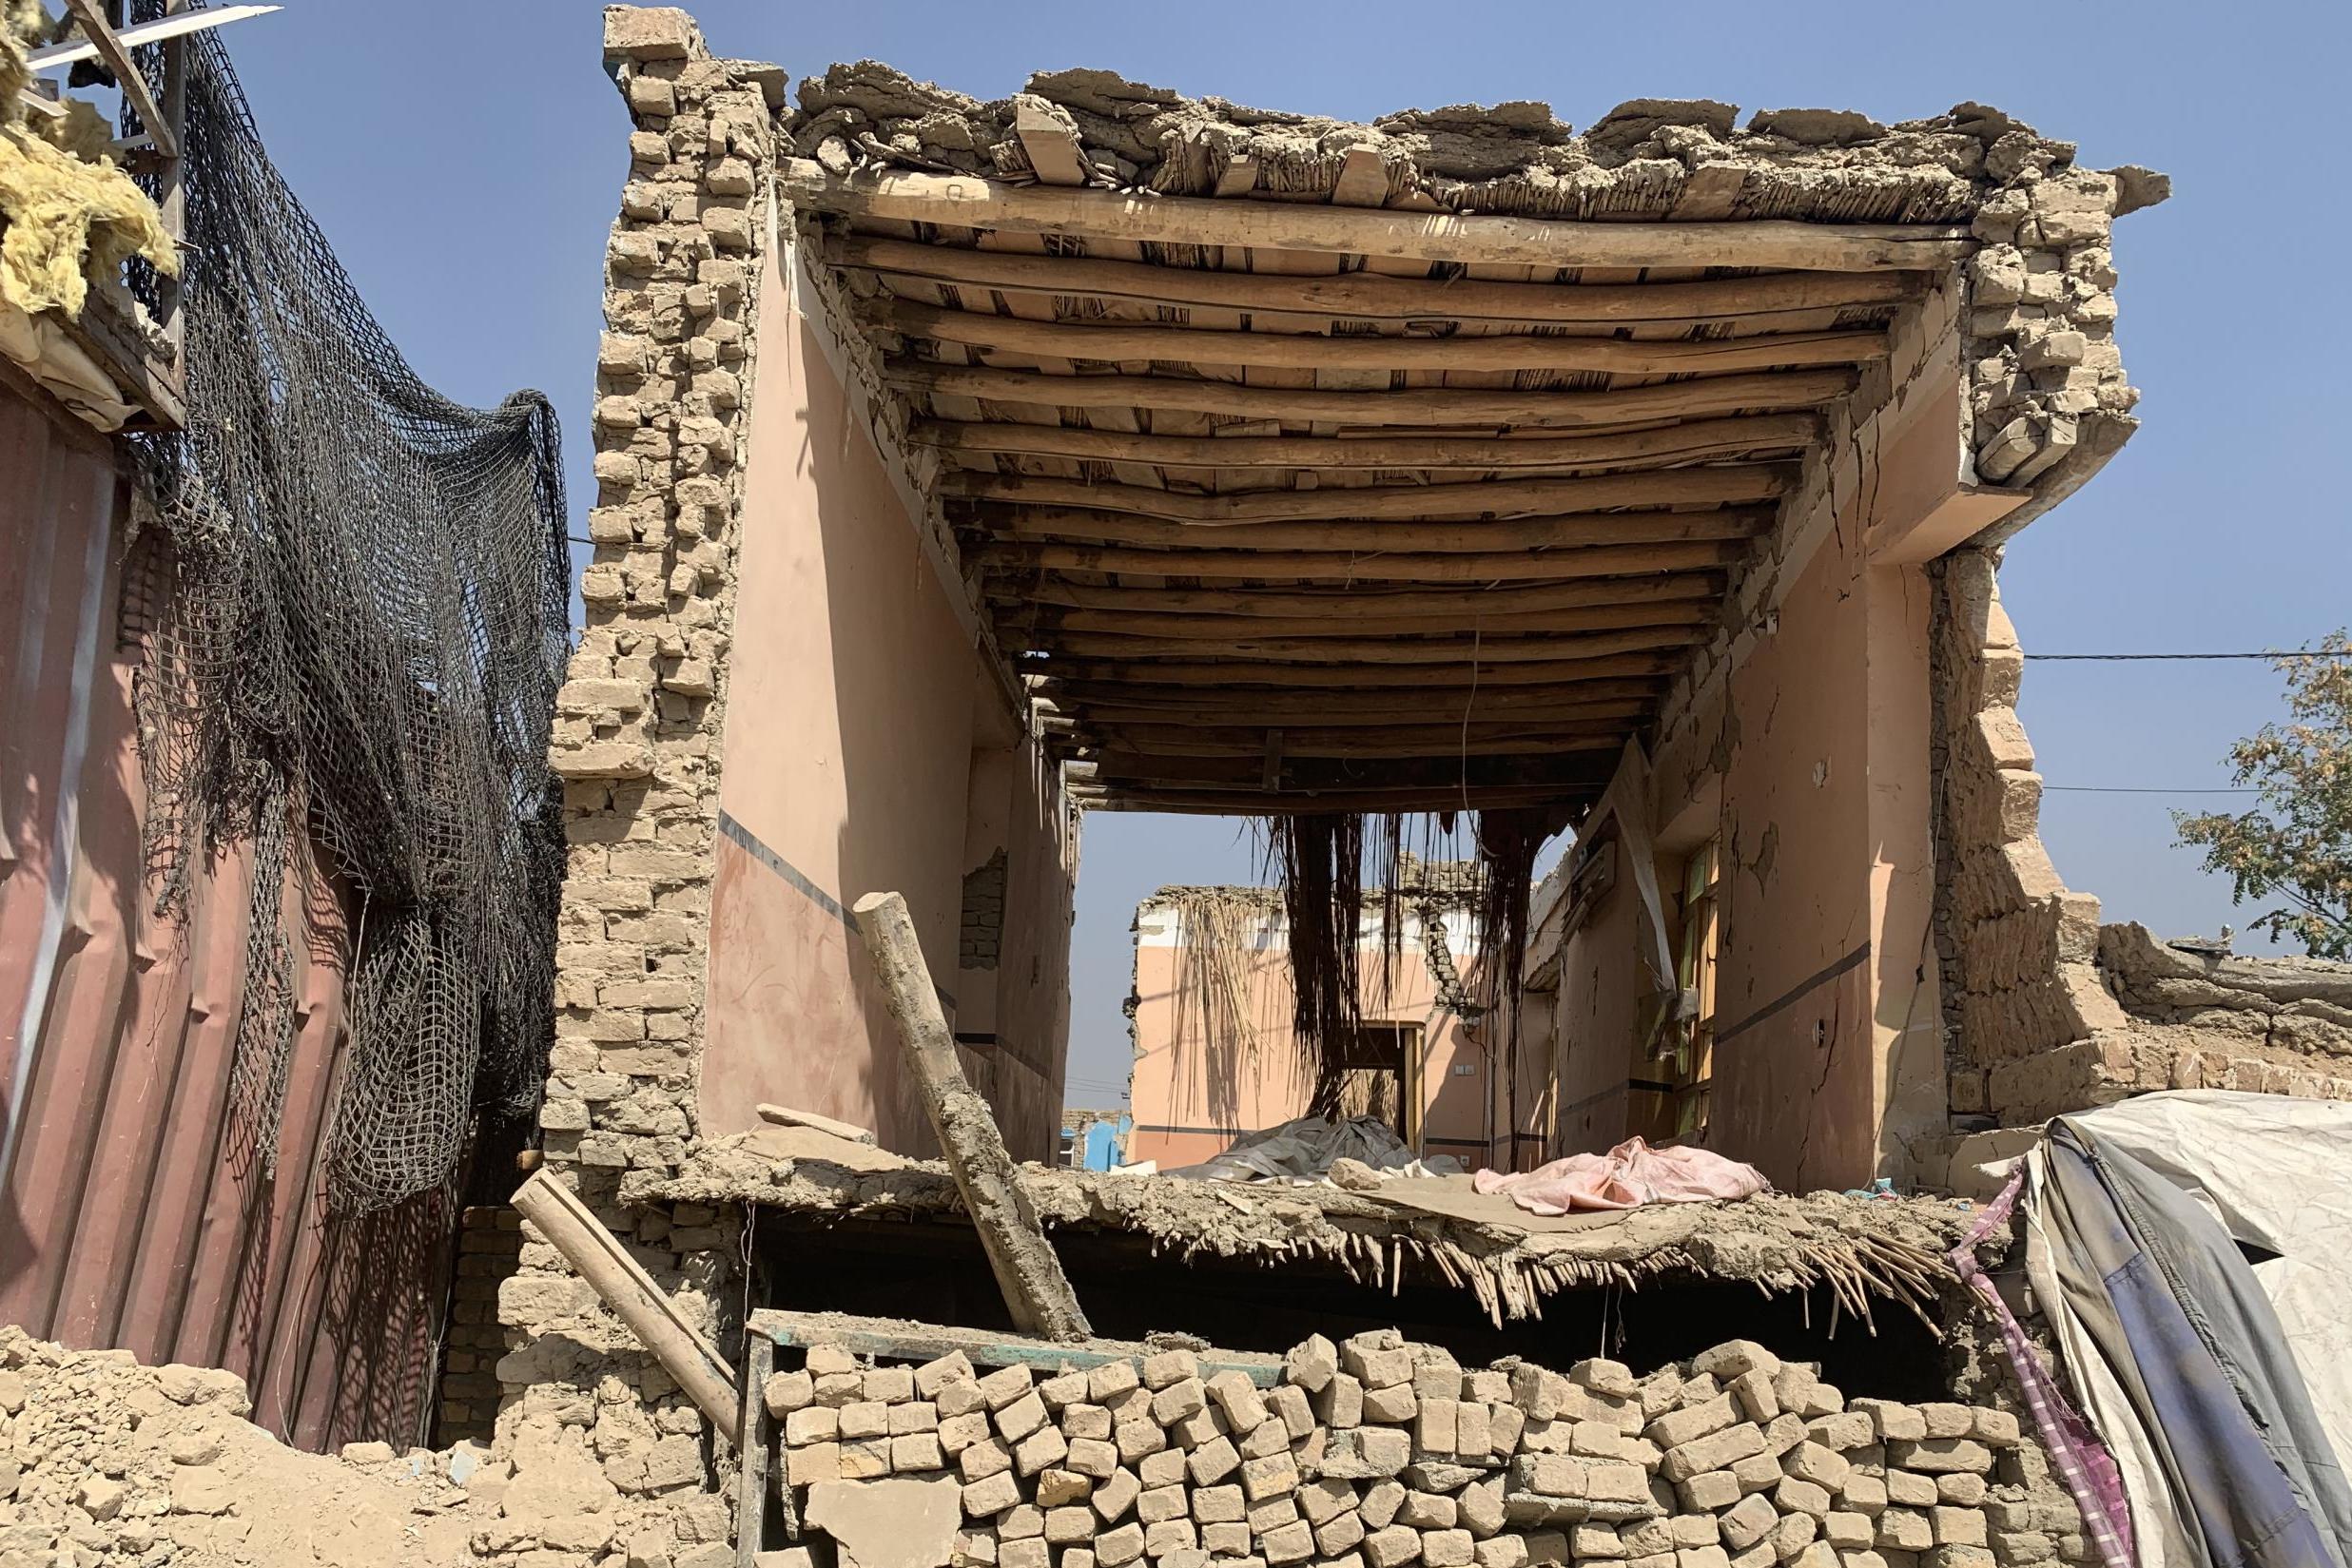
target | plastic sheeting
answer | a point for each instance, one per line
(1306, 1147)
(2274, 1171)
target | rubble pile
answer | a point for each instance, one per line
(105, 1461)
(1381, 1454)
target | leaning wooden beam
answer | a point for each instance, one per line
(1355, 566)
(597, 1256)
(969, 201)
(1036, 1292)
(1014, 626)
(1372, 296)
(1465, 670)
(1538, 408)
(1576, 529)
(1681, 443)
(1053, 151)
(1316, 351)
(1424, 651)
(128, 76)
(1267, 601)
(753, 1454)
(1730, 484)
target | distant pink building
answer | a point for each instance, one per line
(1215, 1054)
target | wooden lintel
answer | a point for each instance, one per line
(1368, 296)
(1481, 710)
(1117, 340)
(1432, 407)
(973, 201)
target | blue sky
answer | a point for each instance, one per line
(466, 160)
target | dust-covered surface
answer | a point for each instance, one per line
(1867, 1248)
(1647, 158)
(106, 1460)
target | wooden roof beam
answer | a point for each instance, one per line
(1568, 770)
(1110, 341)
(1194, 673)
(969, 201)
(1345, 565)
(1683, 443)
(1015, 629)
(1401, 651)
(1365, 296)
(1250, 602)
(1727, 484)
(1059, 524)
(1415, 406)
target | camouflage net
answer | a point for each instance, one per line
(366, 626)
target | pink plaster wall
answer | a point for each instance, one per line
(855, 703)
(1193, 1090)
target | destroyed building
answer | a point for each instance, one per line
(962, 467)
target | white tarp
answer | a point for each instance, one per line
(2278, 1173)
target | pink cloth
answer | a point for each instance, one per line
(1627, 1176)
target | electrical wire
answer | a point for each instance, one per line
(2144, 658)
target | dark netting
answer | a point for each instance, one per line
(366, 634)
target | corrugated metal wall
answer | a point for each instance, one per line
(135, 1211)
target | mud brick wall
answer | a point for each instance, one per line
(1381, 1454)
(490, 1245)
(638, 746)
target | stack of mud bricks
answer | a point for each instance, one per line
(637, 731)
(1382, 1454)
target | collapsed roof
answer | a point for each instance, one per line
(1306, 465)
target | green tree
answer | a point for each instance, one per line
(2296, 846)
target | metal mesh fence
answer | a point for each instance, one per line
(362, 648)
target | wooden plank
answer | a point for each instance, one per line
(1351, 565)
(1093, 696)
(1673, 444)
(894, 1339)
(1367, 296)
(1262, 601)
(1036, 1292)
(1053, 151)
(1731, 484)
(1250, 710)
(1360, 623)
(754, 1453)
(1418, 406)
(1255, 802)
(1434, 650)
(1569, 770)
(976, 202)
(1195, 673)
(1576, 529)
(1542, 740)
(1118, 341)
(161, 131)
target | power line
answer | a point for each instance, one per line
(2141, 658)
(2137, 789)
